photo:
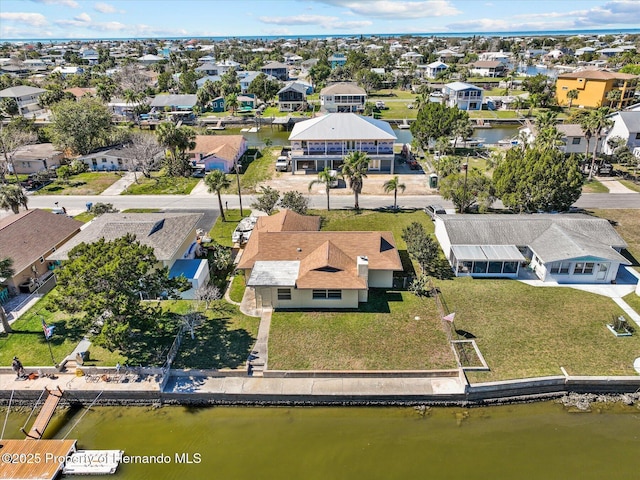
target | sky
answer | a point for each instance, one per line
(195, 18)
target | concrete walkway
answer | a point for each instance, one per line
(629, 312)
(614, 185)
(200, 189)
(121, 185)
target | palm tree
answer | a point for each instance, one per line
(599, 123)
(354, 169)
(231, 102)
(546, 119)
(584, 120)
(105, 91)
(572, 95)
(218, 181)
(394, 185)
(12, 196)
(614, 96)
(177, 140)
(325, 178)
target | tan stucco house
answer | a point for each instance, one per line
(290, 264)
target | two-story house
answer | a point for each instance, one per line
(342, 97)
(278, 70)
(324, 141)
(217, 152)
(626, 125)
(337, 60)
(488, 68)
(26, 97)
(593, 87)
(292, 97)
(462, 95)
(433, 69)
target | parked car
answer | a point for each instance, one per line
(434, 210)
(283, 164)
(380, 105)
(243, 231)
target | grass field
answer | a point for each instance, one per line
(630, 185)
(162, 185)
(222, 230)
(594, 186)
(627, 224)
(382, 334)
(87, 183)
(236, 289)
(633, 300)
(525, 331)
(85, 217)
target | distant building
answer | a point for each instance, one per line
(462, 95)
(26, 98)
(343, 97)
(593, 87)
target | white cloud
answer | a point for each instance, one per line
(66, 3)
(106, 8)
(82, 20)
(83, 17)
(33, 19)
(397, 9)
(322, 21)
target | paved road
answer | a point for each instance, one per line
(208, 201)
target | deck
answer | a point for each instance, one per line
(34, 460)
(44, 417)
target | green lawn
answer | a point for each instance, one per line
(222, 230)
(85, 217)
(382, 334)
(525, 331)
(162, 185)
(142, 210)
(87, 183)
(255, 171)
(633, 299)
(627, 224)
(223, 340)
(27, 340)
(489, 114)
(236, 289)
(631, 185)
(594, 186)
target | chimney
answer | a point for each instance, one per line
(362, 264)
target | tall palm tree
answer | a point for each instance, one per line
(354, 169)
(599, 123)
(546, 119)
(177, 140)
(12, 196)
(394, 185)
(613, 97)
(218, 181)
(572, 95)
(325, 178)
(231, 102)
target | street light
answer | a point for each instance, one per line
(465, 167)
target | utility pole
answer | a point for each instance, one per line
(237, 168)
(465, 167)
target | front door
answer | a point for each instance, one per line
(602, 271)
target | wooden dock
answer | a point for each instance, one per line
(46, 412)
(47, 458)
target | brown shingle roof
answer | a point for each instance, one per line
(598, 75)
(343, 88)
(32, 234)
(226, 147)
(287, 221)
(379, 247)
(329, 267)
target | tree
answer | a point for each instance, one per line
(105, 91)
(217, 181)
(467, 189)
(101, 208)
(394, 185)
(9, 107)
(102, 284)
(537, 180)
(267, 200)
(187, 82)
(295, 201)
(12, 197)
(177, 141)
(435, 120)
(354, 170)
(12, 139)
(264, 88)
(599, 122)
(572, 95)
(231, 102)
(145, 153)
(6, 271)
(81, 126)
(208, 294)
(420, 245)
(325, 178)
(613, 97)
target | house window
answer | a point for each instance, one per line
(284, 294)
(479, 267)
(120, 161)
(94, 161)
(583, 268)
(638, 136)
(104, 160)
(327, 294)
(575, 141)
(510, 267)
(495, 267)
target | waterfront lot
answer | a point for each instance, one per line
(161, 185)
(87, 183)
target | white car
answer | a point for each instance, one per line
(243, 231)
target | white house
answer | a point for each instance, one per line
(574, 139)
(433, 69)
(110, 159)
(325, 140)
(488, 68)
(26, 97)
(626, 125)
(462, 95)
(562, 248)
(343, 97)
(290, 264)
(36, 157)
(412, 57)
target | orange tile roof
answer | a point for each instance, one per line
(379, 247)
(226, 147)
(32, 234)
(598, 75)
(287, 221)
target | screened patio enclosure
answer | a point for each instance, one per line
(486, 260)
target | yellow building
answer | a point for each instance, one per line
(593, 86)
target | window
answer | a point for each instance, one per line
(495, 267)
(284, 294)
(327, 294)
(41, 259)
(479, 267)
(576, 141)
(638, 136)
(583, 268)
(510, 267)
(104, 160)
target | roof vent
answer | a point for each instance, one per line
(299, 249)
(156, 226)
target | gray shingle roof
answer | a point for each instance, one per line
(164, 241)
(20, 91)
(631, 120)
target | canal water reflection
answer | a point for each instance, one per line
(534, 441)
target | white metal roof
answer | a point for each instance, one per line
(342, 126)
(274, 273)
(487, 252)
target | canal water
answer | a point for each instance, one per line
(280, 137)
(534, 441)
